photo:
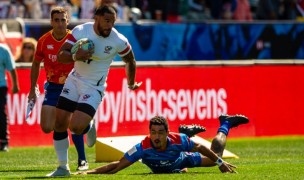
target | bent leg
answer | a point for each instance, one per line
(61, 145)
(219, 143)
(85, 111)
(48, 118)
(61, 138)
(48, 110)
(226, 123)
(79, 122)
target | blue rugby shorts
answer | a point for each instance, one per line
(52, 92)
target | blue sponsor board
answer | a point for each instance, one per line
(207, 41)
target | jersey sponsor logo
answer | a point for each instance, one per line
(50, 46)
(52, 57)
(108, 49)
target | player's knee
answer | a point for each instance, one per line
(76, 129)
(61, 126)
(46, 129)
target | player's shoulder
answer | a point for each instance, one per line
(83, 30)
(4, 46)
(45, 36)
(117, 35)
(83, 26)
(146, 143)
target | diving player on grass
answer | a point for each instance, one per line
(166, 152)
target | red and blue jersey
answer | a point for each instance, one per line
(162, 161)
(46, 51)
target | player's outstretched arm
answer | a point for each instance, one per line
(212, 159)
(110, 168)
(131, 70)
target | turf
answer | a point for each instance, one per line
(260, 158)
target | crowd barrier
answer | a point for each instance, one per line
(186, 92)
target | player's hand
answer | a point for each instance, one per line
(227, 168)
(135, 86)
(82, 54)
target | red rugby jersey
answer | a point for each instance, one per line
(47, 49)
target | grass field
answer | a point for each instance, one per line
(260, 158)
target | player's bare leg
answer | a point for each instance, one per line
(79, 122)
(61, 143)
(219, 143)
(226, 123)
(48, 118)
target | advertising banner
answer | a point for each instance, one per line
(207, 40)
(270, 95)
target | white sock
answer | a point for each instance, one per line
(61, 148)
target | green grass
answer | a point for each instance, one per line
(260, 158)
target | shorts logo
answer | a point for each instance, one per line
(107, 49)
(163, 162)
(85, 97)
(65, 91)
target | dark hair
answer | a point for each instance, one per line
(57, 10)
(159, 120)
(102, 9)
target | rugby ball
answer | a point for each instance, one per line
(84, 43)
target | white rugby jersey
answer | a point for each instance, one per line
(95, 71)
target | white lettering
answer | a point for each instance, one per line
(141, 112)
(115, 105)
(223, 108)
(16, 106)
(151, 100)
(140, 105)
(172, 107)
(191, 101)
(104, 112)
(181, 104)
(201, 104)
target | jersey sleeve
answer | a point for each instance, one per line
(124, 46)
(135, 153)
(39, 56)
(187, 143)
(75, 34)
